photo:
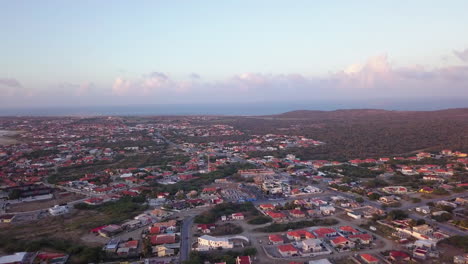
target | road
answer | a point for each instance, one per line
(186, 238)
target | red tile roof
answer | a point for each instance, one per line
(287, 248)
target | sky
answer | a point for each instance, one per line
(92, 53)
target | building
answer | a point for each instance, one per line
(312, 245)
(18, 258)
(207, 242)
(58, 210)
(423, 230)
(276, 239)
(361, 238)
(298, 235)
(163, 239)
(238, 216)
(324, 232)
(243, 260)
(327, 210)
(342, 242)
(287, 250)
(163, 251)
(369, 259)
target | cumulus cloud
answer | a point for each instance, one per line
(11, 87)
(462, 55)
(373, 78)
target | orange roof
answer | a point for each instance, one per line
(348, 229)
(340, 240)
(275, 238)
(300, 233)
(287, 248)
(369, 258)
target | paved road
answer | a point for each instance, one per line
(186, 238)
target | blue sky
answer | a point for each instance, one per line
(81, 52)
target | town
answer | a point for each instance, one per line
(196, 189)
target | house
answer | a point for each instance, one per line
(206, 228)
(238, 216)
(395, 189)
(361, 238)
(267, 207)
(388, 199)
(163, 239)
(163, 251)
(369, 259)
(342, 242)
(58, 210)
(399, 256)
(276, 239)
(243, 260)
(278, 217)
(297, 213)
(327, 210)
(110, 230)
(128, 248)
(423, 229)
(299, 235)
(324, 232)
(207, 242)
(314, 213)
(311, 245)
(287, 250)
(348, 230)
(423, 209)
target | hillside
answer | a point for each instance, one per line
(365, 133)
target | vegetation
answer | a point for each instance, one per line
(227, 229)
(214, 257)
(259, 220)
(397, 215)
(225, 209)
(79, 253)
(203, 179)
(457, 241)
(461, 223)
(297, 225)
(351, 171)
(118, 211)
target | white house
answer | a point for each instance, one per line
(327, 210)
(58, 210)
(311, 245)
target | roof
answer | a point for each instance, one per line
(287, 248)
(321, 232)
(398, 254)
(340, 240)
(362, 236)
(243, 260)
(348, 229)
(369, 258)
(162, 239)
(299, 233)
(275, 238)
(17, 257)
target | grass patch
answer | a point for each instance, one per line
(297, 225)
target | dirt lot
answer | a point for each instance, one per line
(70, 226)
(46, 204)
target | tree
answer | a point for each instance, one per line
(15, 194)
(397, 215)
